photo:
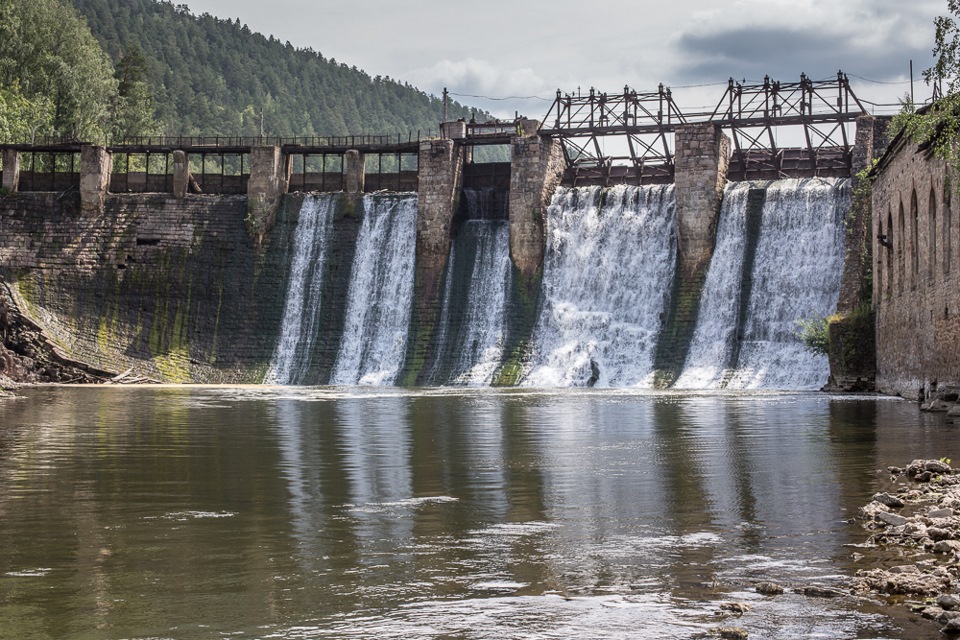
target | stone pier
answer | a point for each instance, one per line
(95, 166)
(536, 167)
(701, 164)
(702, 160)
(356, 165)
(441, 173)
(11, 170)
(269, 178)
(181, 174)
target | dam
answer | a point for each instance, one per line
(684, 257)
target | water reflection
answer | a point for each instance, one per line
(289, 513)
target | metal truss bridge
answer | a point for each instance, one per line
(626, 137)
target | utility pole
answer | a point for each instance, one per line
(261, 125)
(445, 94)
(912, 101)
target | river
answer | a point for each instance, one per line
(270, 512)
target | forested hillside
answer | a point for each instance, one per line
(212, 76)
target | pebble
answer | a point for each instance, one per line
(732, 633)
(769, 589)
(738, 608)
(892, 519)
(889, 500)
(949, 601)
(952, 627)
(816, 591)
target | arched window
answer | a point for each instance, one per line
(947, 229)
(901, 254)
(888, 254)
(914, 239)
(932, 237)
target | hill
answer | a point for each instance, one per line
(212, 76)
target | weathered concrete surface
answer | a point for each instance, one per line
(701, 164)
(269, 178)
(441, 174)
(355, 171)
(95, 166)
(536, 167)
(916, 279)
(181, 174)
(11, 170)
(855, 285)
(852, 338)
(27, 356)
(175, 290)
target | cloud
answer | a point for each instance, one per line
(783, 38)
(478, 82)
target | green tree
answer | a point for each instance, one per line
(937, 126)
(23, 119)
(133, 113)
(48, 53)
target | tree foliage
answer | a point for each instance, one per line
(937, 126)
(48, 57)
(212, 76)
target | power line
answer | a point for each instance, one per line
(901, 82)
(470, 95)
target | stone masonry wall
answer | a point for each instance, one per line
(916, 279)
(173, 289)
(702, 161)
(537, 165)
(441, 174)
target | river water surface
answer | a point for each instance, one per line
(157, 512)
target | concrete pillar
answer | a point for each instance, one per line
(441, 174)
(528, 128)
(11, 170)
(453, 130)
(701, 164)
(181, 174)
(536, 168)
(356, 171)
(269, 178)
(869, 144)
(95, 166)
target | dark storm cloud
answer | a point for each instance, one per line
(783, 53)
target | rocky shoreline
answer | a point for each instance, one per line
(920, 521)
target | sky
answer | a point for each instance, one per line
(509, 57)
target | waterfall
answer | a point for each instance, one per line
(472, 325)
(301, 309)
(379, 300)
(610, 259)
(752, 317)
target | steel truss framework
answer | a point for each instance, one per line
(640, 126)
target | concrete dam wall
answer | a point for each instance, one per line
(195, 288)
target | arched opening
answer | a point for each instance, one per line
(947, 229)
(914, 239)
(901, 255)
(888, 254)
(932, 237)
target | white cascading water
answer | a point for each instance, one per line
(483, 331)
(379, 300)
(301, 309)
(607, 277)
(796, 276)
